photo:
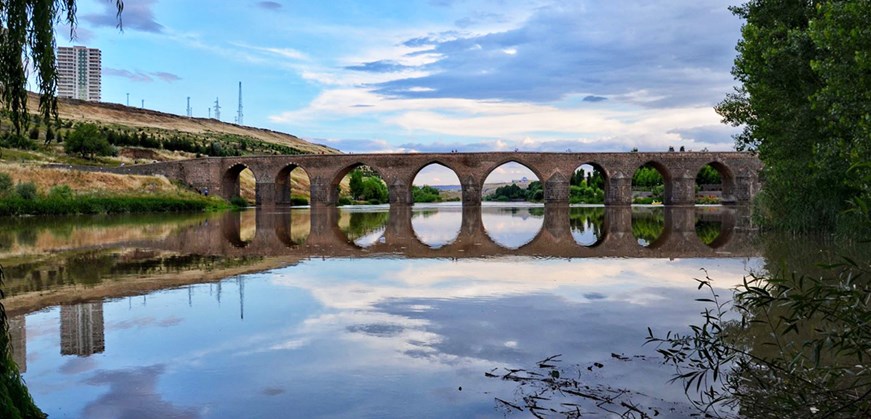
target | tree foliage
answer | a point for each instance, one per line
(88, 141)
(425, 193)
(804, 104)
(366, 186)
(647, 177)
(708, 176)
(27, 30)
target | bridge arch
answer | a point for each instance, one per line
(502, 162)
(599, 179)
(230, 180)
(727, 180)
(284, 183)
(639, 181)
(333, 188)
(432, 163)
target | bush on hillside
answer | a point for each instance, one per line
(88, 141)
(26, 191)
(5, 185)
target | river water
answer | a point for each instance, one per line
(365, 312)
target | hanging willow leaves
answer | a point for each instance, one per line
(27, 47)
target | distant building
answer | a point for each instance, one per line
(81, 329)
(79, 72)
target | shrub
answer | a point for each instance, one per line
(18, 141)
(298, 200)
(26, 191)
(344, 200)
(33, 134)
(60, 192)
(5, 185)
(238, 201)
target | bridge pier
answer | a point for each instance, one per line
(681, 191)
(556, 223)
(746, 187)
(266, 194)
(556, 190)
(399, 193)
(618, 190)
(471, 191)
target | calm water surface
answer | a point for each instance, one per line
(372, 312)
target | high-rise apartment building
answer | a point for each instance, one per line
(81, 329)
(79, 73)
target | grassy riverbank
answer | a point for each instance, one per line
(31, 189)
(107, 205)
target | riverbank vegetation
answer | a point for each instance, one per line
(794, 340)
(34, 190)
(804, 107)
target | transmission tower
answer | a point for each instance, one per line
(217, 110)
(239, 112)
(189, 107)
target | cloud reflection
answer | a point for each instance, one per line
(133, 394)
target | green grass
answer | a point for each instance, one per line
(108, 205)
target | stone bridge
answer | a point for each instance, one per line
(273, 237)
(220, 175)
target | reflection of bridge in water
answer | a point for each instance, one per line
(275, 236)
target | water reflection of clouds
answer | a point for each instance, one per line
(382, 330)
(375, 282)
(511, 228)
(437, 227)
(133, 393)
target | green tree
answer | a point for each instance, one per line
(49, 135)
(27, 30)
(88, 141)
(804, 104)
(708, 176)
(356, 184)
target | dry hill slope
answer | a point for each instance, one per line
(111, 113)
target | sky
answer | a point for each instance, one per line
(430, 75)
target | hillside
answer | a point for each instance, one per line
(140, 136)
(111, 114)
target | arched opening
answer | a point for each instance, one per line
(648, 226)
(437, 195)
(512, 182)
(437, 227)
(714, 184)
(292, 186)
(359, 184)
(651, 184)
(711, 228)
(512, 227)
(293, 227)
(588, 225)
(239, 228)
(239, 183)
(363, 226)
(436, 182)
(587, 185)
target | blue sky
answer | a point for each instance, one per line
(431, 75)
